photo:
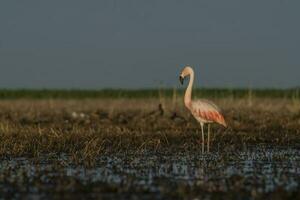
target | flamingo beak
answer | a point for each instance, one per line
(181, 79)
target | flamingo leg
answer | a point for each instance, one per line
(202, 137)
(208, 138)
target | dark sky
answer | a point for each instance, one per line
(143, 43)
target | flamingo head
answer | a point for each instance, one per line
(187, 70)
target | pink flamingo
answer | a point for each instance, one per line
(203, 110)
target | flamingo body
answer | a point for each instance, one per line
(207, 112)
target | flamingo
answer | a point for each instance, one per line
(204, 111)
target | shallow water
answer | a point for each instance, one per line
(252, 172)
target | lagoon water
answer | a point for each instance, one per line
(254, 171)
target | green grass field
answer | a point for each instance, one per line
(145, 93)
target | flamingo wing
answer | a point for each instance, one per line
(204, 110)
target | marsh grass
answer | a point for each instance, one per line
(88, 128)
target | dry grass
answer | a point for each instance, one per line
(88, 128)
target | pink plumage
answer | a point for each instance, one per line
(207, 112)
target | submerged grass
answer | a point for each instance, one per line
(87, 128)
(139, 148)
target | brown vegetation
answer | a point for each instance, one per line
(85, 129)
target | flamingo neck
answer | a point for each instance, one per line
(188, 92)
